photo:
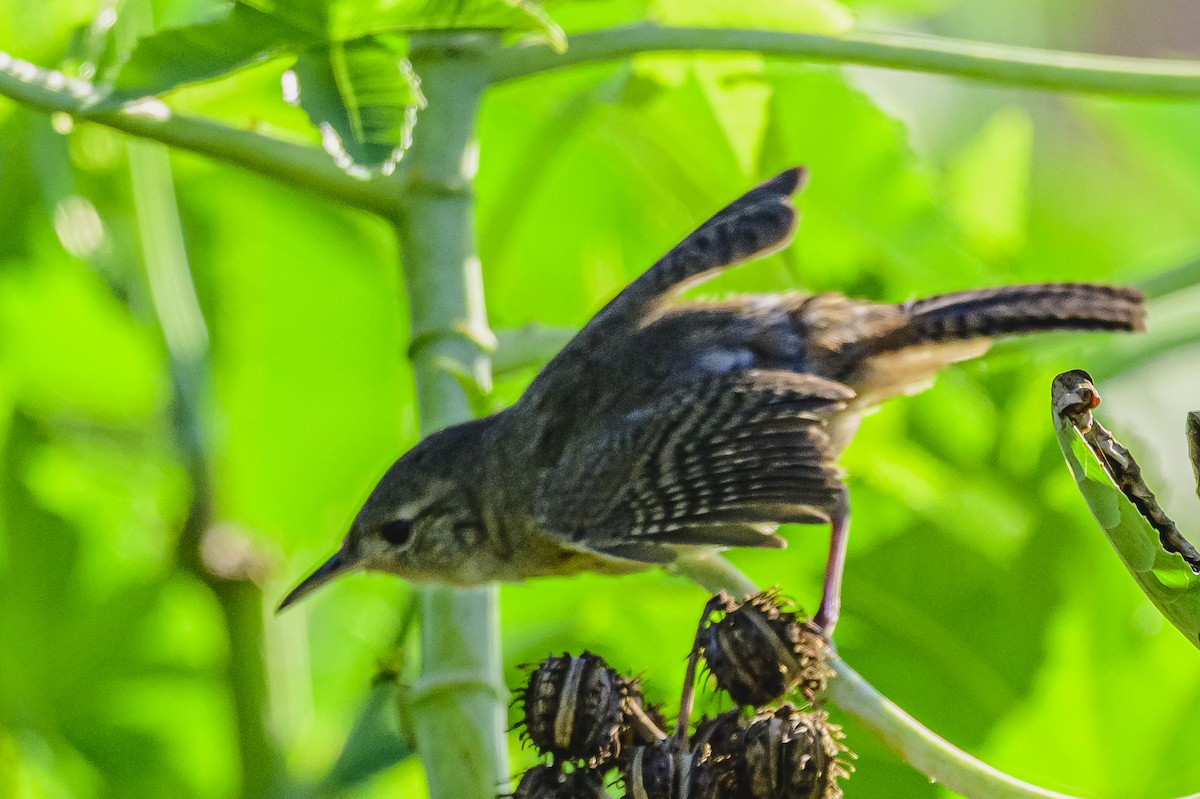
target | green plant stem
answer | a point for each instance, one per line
(238, 594)
(379, 737)
(1011, 66)
(458, 704)
(294, 164)
(921, 748)
(1162, 284)
(928, 753)
(528, 346)
(310, 168)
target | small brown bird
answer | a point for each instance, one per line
(667, 425)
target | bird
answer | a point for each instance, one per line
(667, 425)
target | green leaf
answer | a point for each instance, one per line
(363, 97)
(377, 741)
(350, 19)
(309, 15)
(1163, 576)
(798, 16)
(869, 221)
(989, 183)
(202, 51)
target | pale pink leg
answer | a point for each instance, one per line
(831, 595)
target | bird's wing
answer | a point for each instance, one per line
(757, 223)
(716, 460)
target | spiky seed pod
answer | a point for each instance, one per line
(550, 782)
(655, 771)
(717, 742)
(720, 735)
(705, 782)
(758, 652)
(662, 770)
(791, 755)
(634, 731)
(573, 708)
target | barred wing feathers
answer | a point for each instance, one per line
(718, 460)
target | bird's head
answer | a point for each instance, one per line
(420, 522)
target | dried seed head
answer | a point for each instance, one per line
(791, 755)
(717, 743)
(707, 783)
(654, 771)
(663, 770)
(573, 708)
(641, 723)
(719, 736)
(550, 782)
(758, 652)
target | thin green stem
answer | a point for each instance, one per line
(1161, 284)
(293, 164)
(528, 346)
(229, 567)
(380, 736)
(310, 168)
(1011, 66)
(931, 755)
(234, 583)
(458, 705)
(928, 753)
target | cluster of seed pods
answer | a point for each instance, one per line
(592, 722)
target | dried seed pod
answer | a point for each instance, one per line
(654, 771)
(720, 735)
(573, 708)
(791, 755)
(550, 782)
(705, 782)
(663, 770)
(641, 723)
(758, 652)
(717, 743)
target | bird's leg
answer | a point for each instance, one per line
(831, 594)
(689, 679)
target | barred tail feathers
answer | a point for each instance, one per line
(1015, 310)
(929, 334)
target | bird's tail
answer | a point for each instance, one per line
(1014, 310)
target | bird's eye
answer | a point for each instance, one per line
(396, 532)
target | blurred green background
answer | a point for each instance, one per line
(979, 595)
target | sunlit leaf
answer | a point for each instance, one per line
(311, 15)
(989, 183)
(376, 741)
(575, 16)
(202, 51)
(1163, 576)
(869, 219)
(363, 97)
(799, 16)
(350, 19)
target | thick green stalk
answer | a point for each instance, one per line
(1010, 66)
(458, 705)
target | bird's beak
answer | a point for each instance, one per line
(331, 568)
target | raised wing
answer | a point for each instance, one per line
(715, 461)
(757, 223)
